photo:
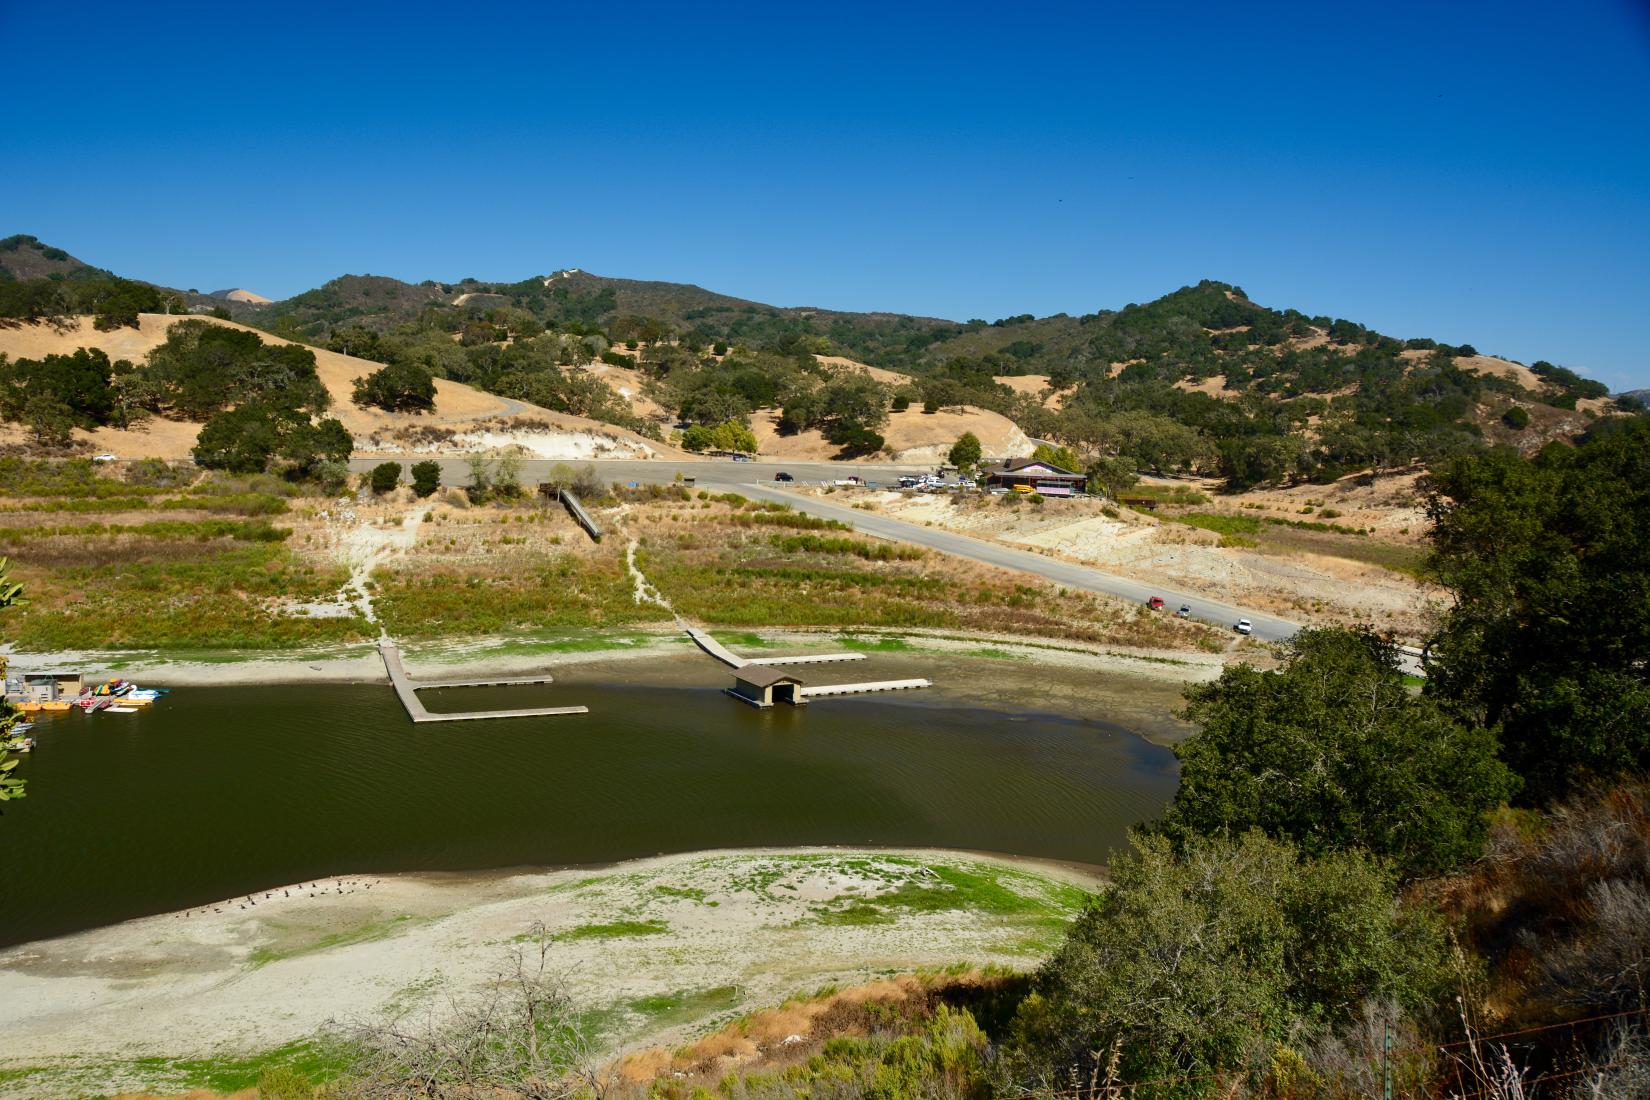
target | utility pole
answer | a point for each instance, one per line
(1386, 1063)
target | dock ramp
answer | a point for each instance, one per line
(407, 689)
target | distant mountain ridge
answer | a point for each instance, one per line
(24, 257)
(1202, 377)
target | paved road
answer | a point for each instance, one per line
(1267, 627)
(717, 473)
(755, 479)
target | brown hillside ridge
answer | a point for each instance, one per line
(913, 436)
(853, 366)
(475, 419)
(1037, 385)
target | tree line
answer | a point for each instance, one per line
(260, 404)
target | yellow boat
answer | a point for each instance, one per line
(30, 707)
(55, 704)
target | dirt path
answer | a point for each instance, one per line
(365, 545)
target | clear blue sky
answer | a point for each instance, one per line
(1472, 172)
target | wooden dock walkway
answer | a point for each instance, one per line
(407, 690)
(722, 653)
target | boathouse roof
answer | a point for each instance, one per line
(762, 676)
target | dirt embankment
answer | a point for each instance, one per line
(1311, 575)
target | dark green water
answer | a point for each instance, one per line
(216, 792)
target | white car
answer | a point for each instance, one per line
(1244, 626)
(104, 458)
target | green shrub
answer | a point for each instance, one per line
(426, 477)
(1198, 961)
(385, 476)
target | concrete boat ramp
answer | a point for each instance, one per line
(407, 689)
(757, 680)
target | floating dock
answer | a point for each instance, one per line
(407, 689)
(806, 693)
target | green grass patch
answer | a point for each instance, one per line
(169, 595)
(366, 933)
(685, 1006)
(197, 530)
(981, 891)
(314, 1062)
(795, 520)
(528, 591)
(876, 645)
(690, 893)
(614, 930)
(1220, 524)
(746, 639)
(869, 551)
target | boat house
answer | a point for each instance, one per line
(1040, 477)
(43, 687)
(761, 686)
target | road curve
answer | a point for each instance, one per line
(1266, 627)
(755, 479)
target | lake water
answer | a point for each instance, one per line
(216, 792)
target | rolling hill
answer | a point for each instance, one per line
(1201, 380)
(460, 411)
(24, 257)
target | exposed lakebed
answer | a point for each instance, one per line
(219, 792)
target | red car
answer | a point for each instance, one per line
(1155, 603)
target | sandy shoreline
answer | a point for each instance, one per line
(725, 930)
(1139, 689)
(360, 663)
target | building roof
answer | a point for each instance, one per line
(762, 676)
(1030, 466)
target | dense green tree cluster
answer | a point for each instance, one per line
(730, 435)
(1548, 639)
(397, 387)
(259, 437)
(111, 302)
(1333, 752)
(204, 368)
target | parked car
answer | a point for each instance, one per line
(104, 458)
(1184, 612)
(1244, 626)
(783, 476)
(1155, 603)
(741, 458)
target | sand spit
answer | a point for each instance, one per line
(718, 933)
